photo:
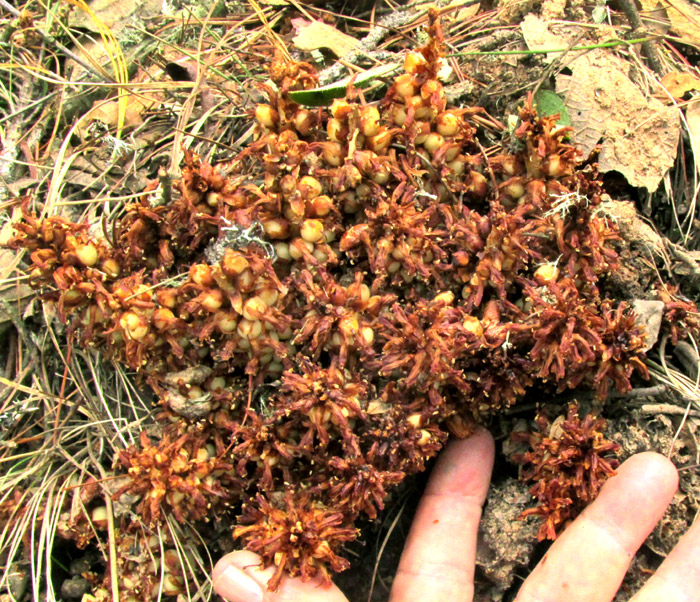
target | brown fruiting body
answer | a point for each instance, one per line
(568, 463)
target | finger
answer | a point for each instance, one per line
(589, 560)
(437, 563)
(237, 577)
(678, 577)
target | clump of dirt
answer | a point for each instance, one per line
(506, 543)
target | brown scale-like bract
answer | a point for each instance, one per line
(357, 284)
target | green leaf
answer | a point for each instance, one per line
(548, 103)
(323, 96)
(600, 13)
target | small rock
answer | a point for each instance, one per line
(74, 588)
(649, 314)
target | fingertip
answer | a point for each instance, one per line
(605, 537)
(645, 476)
(232, 579)
(678, 577)
(645, 482)
(464, 466)
(438, 560)
(654, 467)
(240, 577)
(482, 443)
(486, 444)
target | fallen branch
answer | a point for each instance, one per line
(666, 408)
(367, 47)
(648, 47)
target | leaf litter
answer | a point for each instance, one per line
(316, 34)
(639, 133)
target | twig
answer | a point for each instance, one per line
(648, 47)
(674, 381)
(487, 165)
(667, 408)
(111, 534)
(642, 392)
(385, 26)
(686, 258)
(609, 44)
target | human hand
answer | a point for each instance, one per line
(586, 563)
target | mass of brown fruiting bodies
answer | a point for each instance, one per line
(568, 461)
(317, 315)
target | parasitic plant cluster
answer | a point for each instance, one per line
(568, 462)
(318, 314)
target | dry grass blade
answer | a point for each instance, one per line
(686, 389)
(380, 553)
(33, 485)
(116, 57)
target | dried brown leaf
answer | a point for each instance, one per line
(116, 14)
(13, 294)
(512, 11)
(553, 9)
(678, 83)
(312, 35)
(649, 314)
(462, 14)
(542, 35)
(538, 36)
(682, 15)
(108, 112)
(633, 229)
(639, 134)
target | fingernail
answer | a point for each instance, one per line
(236, 586)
